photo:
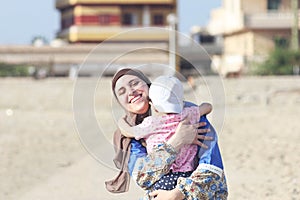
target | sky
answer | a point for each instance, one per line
(21, 20)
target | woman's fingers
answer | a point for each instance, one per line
(199, 124)
(154, 193)
(204, 130)
(202, 145)
(203, 137)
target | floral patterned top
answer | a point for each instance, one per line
(202, 184)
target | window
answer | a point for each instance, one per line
(66, 23)
(206, 39)
(273, 4)
(127, 19)
(158, 19)
(104, 19)
(281, 42)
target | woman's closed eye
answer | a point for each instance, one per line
(121, 91)
(134, 83)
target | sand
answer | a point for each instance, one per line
(42, 156)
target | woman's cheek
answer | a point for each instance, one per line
(123, 101)
(146, 90)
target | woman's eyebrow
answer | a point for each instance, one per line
(135, 79)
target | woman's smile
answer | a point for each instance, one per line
(132, 94)
(135, 98)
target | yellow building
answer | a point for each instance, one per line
(94, 21)
(249, 28)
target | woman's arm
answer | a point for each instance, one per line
(203, 184)
(151, 168)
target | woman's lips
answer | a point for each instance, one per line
(135, 98)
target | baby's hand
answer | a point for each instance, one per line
(205, 108)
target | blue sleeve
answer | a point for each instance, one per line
(211, 155)
(137, 150)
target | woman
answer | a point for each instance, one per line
(131, 88)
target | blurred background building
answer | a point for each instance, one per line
(239, 34)
(97, 20)
(90, 21)
(249, 29)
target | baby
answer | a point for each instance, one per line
(166, 98)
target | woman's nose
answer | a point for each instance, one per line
(132, 90)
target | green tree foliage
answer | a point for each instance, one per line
(13, 70)
(281, 60)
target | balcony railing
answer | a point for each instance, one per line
(119, 33)
(269, 20)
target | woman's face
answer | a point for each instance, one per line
(132, 93)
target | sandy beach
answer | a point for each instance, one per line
(42, 156)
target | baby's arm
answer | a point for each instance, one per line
(125, 128)
(205, 108)
(139, 131)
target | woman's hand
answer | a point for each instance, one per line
(187, 133)
(202, 137)
(174, 194)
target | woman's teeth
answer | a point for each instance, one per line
(135, 99)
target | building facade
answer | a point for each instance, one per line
(93, 21)
(249, 28)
